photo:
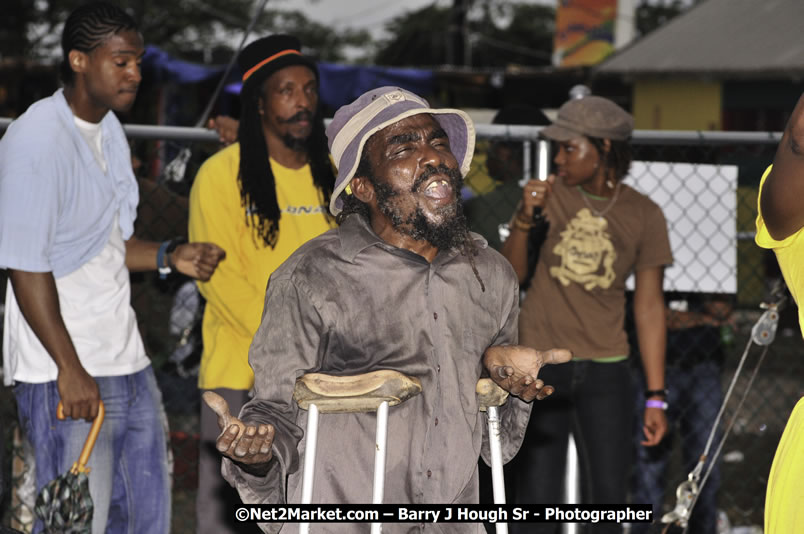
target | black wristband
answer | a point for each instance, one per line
(656, 393)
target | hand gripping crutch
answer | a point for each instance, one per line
(369, 392)
(489, 397)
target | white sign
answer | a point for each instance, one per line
(700, 205)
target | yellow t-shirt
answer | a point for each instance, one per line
(789, 253)
(236, 292)
(784, 500)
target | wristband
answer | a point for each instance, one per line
(161, 266)
(656, 404)
(656, 393)
(164, 263)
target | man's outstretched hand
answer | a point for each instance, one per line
(248, 445)
(515, 368)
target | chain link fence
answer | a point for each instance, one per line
(707, 184)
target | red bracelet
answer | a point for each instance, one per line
(656, 404)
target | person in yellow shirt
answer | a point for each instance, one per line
(780, 227)
(260, 199)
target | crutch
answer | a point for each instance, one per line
(489, 397)
(369, 392)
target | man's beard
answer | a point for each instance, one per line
(297, 144)
(450, 233)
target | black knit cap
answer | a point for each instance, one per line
(265, 56)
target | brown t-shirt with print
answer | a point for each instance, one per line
(577, 297)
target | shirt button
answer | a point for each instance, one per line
(438, 368)
(429, 473)
(436, 421)
(435, 316)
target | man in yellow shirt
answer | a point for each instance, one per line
(780, 227)
(260, 199)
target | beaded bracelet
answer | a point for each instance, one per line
(521, 225)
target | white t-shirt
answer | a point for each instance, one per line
(91, 131)
(96, 308)
(95, 302)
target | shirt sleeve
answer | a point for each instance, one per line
(654, 250)
(29, 208)
(763, 238)
(214, 218)
(515, 413)
(287, 345)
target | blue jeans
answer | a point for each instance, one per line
(129, 481)
(594, 402)
(694, 398)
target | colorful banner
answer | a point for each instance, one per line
(584, 32)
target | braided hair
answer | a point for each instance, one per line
(87, 28)
(618, 158)
(256, 179)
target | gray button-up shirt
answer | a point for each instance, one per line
(347, 303)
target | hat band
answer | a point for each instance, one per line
(354, 125)
(256, 67)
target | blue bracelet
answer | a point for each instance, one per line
(163, 269)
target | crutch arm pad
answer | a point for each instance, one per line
(489, 394)
(357, 393)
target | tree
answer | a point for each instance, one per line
(418, 38)
(650, 16)
(525, 37)
(498, 33)
(34, 28)
(199, 30)
(322, 42)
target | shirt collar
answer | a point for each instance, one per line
(356, 235)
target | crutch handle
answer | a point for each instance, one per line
(81, 465)
(489, 394)
(357, 393)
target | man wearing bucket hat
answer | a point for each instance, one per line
(400, 285)
(260, 199)
(600, 232)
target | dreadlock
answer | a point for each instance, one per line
(256, 179)
(87, 28)
(354, 206)
(617, 159)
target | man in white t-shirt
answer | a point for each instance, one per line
(68, 200)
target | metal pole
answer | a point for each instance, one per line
(497, 482)
(309, 461)
(543, 163)
(381, 443)
(527, 171)
(572, 491)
